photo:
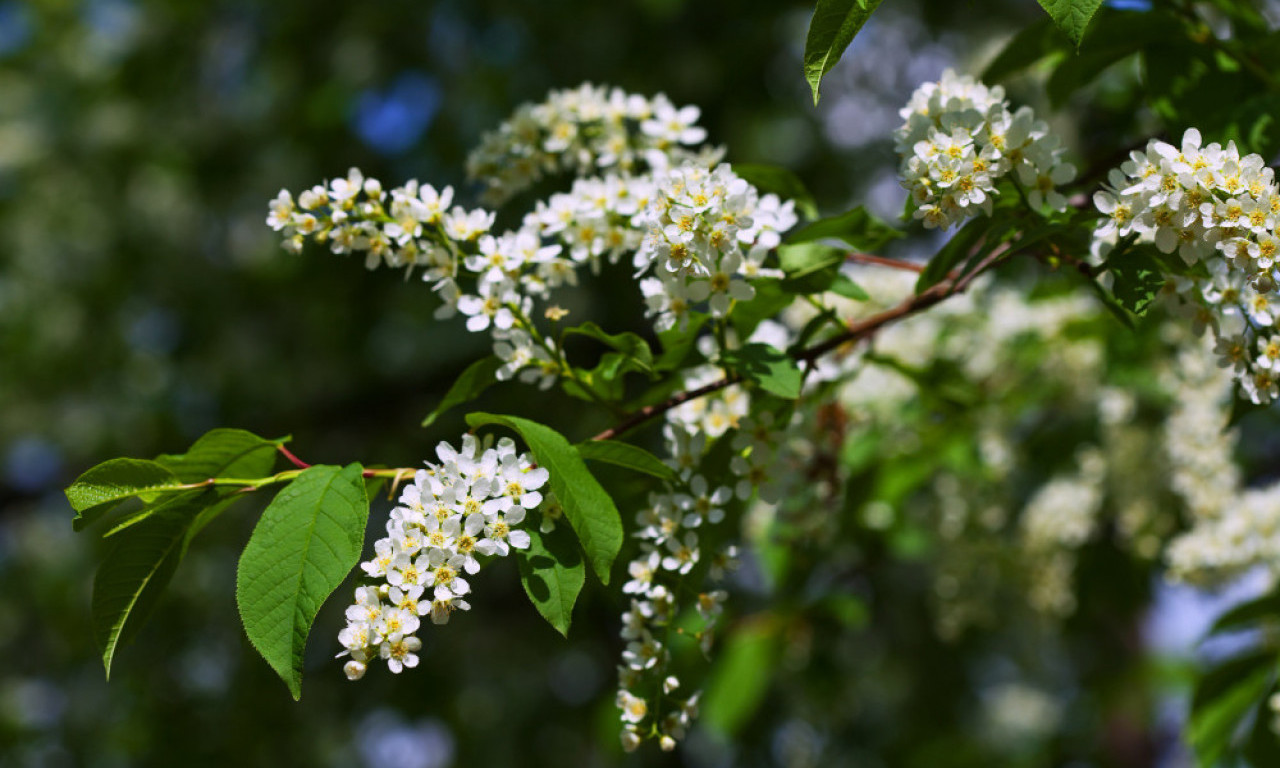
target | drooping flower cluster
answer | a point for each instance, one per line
(1232, 528)
(466, 507)
(960, 139)
(1217, 209)
(585, 130)
(707, 233)
(669, 551)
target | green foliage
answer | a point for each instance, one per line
(307, 541)
(1138, 279)
(101, 488)
(834, 25)
(767, 367)
(552, 573)
(477, 377)
(229, 453)
(140, 565)
(809, 267)
(861, 229)
(741, 675)
(587, 506)
(1071, 16)
(1229, 714)
(781, 182)
(625, 455)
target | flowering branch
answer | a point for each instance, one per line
(953, 284)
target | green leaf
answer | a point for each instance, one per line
(477, 377)
(781, 182)
(1029, 46)
(833, 27)
(1071, 16)
(140, 565)
(589, 509)
(741, 676)
(677, 344)
(101, 488)
(845, 287)
(231, 453)
(625, 455)
(768, 367)
(1238, 687)
(308, 539)
(552, 573)
(1138, 280)
(1257, 611)
(630, 345)
(809, 267)
(862, 230)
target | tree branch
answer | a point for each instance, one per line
(856, 331)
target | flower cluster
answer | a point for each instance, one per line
(707, 233)
(669, 550)
(959, 139)
(1217, 209)
(584, 130)
(490, 279)
(454, 512)
(1232, 528)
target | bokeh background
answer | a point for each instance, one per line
(143, 301)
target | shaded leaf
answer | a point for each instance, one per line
(625, 455)
(741, 676)
(587, 506)
(781, 182)
(476, 378)
(861, 229)
(140, 565)
(552, 573)
(768, 367)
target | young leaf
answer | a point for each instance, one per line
(552, 573)
(477, 377)
(845, 287)
(809, 267)
(139, 567)
(308, 539)
(588, 507)
(1071, 16)
(625, 455)
(833, 27)
(861, 229)
(224, 453)
(781, 182)
(769, 368)
(98, 490)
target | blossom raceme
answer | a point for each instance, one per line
(468, 506)
(587, 130)
(1217, 210)
(958, 141)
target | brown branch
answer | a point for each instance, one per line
(867, 258)
(857, 331)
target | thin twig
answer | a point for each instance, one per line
(857, 331)
(867, 258)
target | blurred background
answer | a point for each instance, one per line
(143, 301)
